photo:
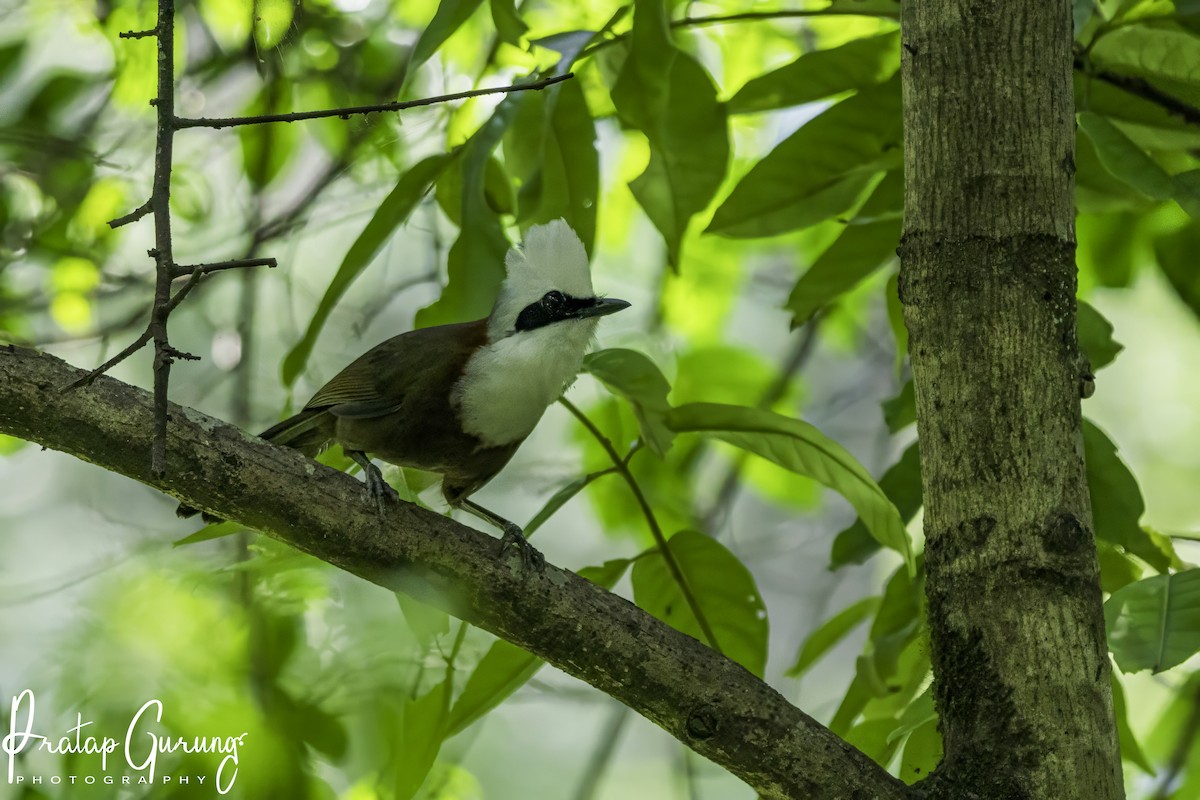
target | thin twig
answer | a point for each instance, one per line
(138, 34)
(180, 270)
(160, 196)
(655, 531)
(132, 216)
(347, 112)
(136, 345)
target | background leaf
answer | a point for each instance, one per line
(723, 588)
(1155, 623)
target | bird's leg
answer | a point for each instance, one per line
(377, 488)
(513, 537)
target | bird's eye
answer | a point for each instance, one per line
(553, 300)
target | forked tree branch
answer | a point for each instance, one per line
(702, 698)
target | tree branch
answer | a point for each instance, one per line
(345, 113)
(705, 700)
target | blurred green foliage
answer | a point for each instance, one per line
(754, 147)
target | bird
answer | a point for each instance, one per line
(459, 399)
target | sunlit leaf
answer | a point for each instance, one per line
(822, 73)
(392, 213)
(723, 589)
(669, 96)
(820, 170)
(832, 631)
(1150, 51)
(229, 21)
(272, 19)
(1155, 623)
(635, 377)
(801, 448)
(426, 622)
(508, 21)
(922, 751)
(450, 16)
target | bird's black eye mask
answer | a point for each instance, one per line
(553, 307)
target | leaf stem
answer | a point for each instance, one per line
(622, 466)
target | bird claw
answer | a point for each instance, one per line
(515, 539)
(378, 489)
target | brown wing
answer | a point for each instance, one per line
(378, 382)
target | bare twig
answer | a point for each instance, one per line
(138, 34)
(87, 378)
(347, 112)
(180, 270)
(132, 216)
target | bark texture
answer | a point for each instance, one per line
(988, 286)
(708, 702)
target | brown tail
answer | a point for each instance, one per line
(306, 432)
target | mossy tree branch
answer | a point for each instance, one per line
(702, 698)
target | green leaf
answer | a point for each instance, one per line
(390, 215)
(722, 587)
(832, 631)
(896, 626)
(426, 622)
(1117, 567)
(557, 501)
(855, 254)
(475, 263)
(895, 313)
(803, 449)
(820, 170)
(1095, 336)
(272, 20)
(1150, 51)
(422, 730)
(812, 76)
(669, 96)
(266, 149)
(900, 411)
(918, 713)
(551, 149)
(902, 484)
(502, 670)
(1124, 159)
(874, 738)
(1176, 255)
(636, 378)
(922, 752)
(218, 530)
(508, 22)
(450, 16)
(1117, 505)
(506, 667)
(1155, 623)
(1131, 750)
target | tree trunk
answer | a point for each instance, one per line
(988, 286)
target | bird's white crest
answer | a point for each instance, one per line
(508, 383)
(551, 257)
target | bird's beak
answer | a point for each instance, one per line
(603, 307)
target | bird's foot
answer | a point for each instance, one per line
(515, 539)
(378, 489)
